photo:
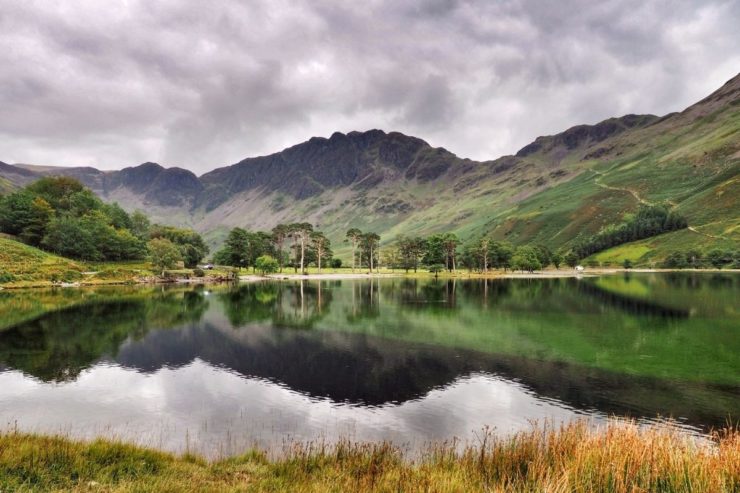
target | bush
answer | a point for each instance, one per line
(627, 264)
(6, 276)
(336, 263)
(266, 264)
(436, 269)
(163, 253)
(198, 272)
(675, 260)
(526, 259)
(71, 275)
(720, 258)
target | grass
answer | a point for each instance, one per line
(618, 457)
(22, 266)
(650, 252)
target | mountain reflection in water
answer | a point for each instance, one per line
(218, 369)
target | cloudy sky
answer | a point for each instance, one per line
(203, 84)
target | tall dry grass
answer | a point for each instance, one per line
(618, 457)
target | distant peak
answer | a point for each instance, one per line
(150, 164)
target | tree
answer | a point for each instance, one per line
(693, 258)
(235, 249)
(571, 259)
(392, 258)
(266, 264)
(556, 259)
(449, 243)
(301, 232)
(627, 263)
(525, 259)
(649, 220)
(436, 269)
(543, 255)
(67, 236)
(336, 263)
(279, 234)
(354, 235)
(410, 251)
(41, 214)
(482, 251)
(16, 212)
(719, 258)
(140, 225)
(60, 193)
(119, 218)
(192, 247)
(163, 253)
(675, 260)
(434, 251)
(321, 244)
(501, 254)
(369, 243)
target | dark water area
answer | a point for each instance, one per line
(219, 369)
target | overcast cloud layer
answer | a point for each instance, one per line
(205, 84)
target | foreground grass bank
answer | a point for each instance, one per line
(619, 457)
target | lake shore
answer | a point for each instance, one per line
(618, 457)
(134, 277)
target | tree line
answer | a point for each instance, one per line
(62, 216)
(650, 220)
(446, 252)
(293, 245)
(718, 258)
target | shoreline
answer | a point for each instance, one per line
(460, 275)
(619, 456)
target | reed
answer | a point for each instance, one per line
(618, 457)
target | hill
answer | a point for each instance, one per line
(553, 191)
(22, 263)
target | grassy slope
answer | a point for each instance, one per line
(28, 264)
(31, 267)
(690, 160)
(5, 186)
(617, 458)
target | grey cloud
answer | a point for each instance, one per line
(201, 85)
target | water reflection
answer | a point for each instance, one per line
(361, 353)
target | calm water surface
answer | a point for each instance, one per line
(216, 370)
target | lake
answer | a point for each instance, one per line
(217, 369)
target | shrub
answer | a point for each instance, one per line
(719, 258)
(71, 275)
(198, 272)
(6, 276)
(336, 263)
(163, 253)
(436, 269)
(266, 264)
(675, 260)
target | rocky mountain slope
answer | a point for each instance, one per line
(553, 190)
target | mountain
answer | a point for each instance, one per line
(552, 191)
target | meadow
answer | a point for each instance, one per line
(617, 457)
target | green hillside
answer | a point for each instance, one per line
(22, 263)
(555, 191)
(690, 160)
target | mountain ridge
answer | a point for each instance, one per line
(395, 183)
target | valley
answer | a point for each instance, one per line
(554, 191)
